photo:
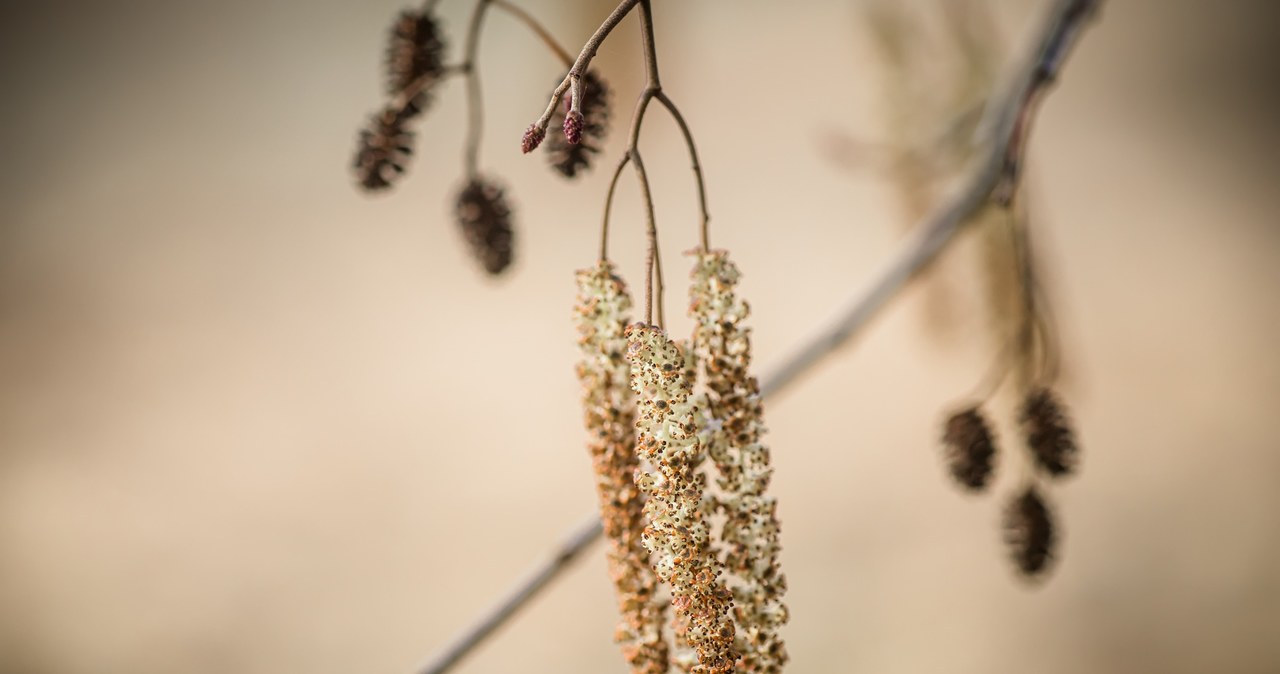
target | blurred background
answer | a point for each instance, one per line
(253, 420)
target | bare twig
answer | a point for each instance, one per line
(523, 592)
(584, 60)
(538, 29)
(475, 102)
(930, 237)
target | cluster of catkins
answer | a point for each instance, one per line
(415, 67)
(655, 410)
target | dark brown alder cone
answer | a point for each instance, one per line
(415, 51)
(1048, 433)
(969, 448)
(485, 218)
(1028, 531)
(571, 157)
(384, 147)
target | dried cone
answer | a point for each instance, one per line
(588, 125)
(383, 149)
(485, 219)
(1028, 531)
(723, 347)
(602, 310)
(677, 534)
(969, 448)
(1048, 433)
(415, 57)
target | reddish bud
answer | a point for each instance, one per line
(573, 127)
(532, 138)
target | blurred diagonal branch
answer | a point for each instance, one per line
(1003, 133)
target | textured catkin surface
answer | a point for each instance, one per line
(254, 421)
(602, 312)
(678, 534)
(750, 533)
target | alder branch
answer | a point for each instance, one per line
(1007, 118)
(580, 64)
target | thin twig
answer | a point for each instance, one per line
(523, 592)
(584, 60)
(538, 29)
(697, 166)
(1059, 34)
(475, 102)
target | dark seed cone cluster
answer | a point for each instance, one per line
(1048, 433)
(415, 58)
(584, 128)
(383, 149)
(602, 313)
(1029, 532)
(485, 218)
(678, 535)
(734, 431)
(969, 448)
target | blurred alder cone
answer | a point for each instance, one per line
(609, 413)
(1048, 433)
(415, 52)
(485, 218)
(1029, 531)
(969, 448)
(384, 147)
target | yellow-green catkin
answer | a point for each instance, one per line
(750, 535)
(608, 404)
(677, 534)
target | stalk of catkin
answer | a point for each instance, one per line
(750, 535)
(602, 312)
(677, 534)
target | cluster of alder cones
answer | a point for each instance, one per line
(969, 448)
(698, 537)
(416, 66)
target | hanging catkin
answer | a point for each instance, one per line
(677, 534)
(750, 535)
(609, 410)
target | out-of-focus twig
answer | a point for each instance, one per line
(1005, 117)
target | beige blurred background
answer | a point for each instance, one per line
(252, 420)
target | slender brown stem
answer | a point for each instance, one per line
(1059, 34)
(475, 101)
(697, 165)
(653, 267)
(534, 25)
(608, 206)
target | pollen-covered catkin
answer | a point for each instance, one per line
(677, 533)
(609, 410)
(723, 349)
